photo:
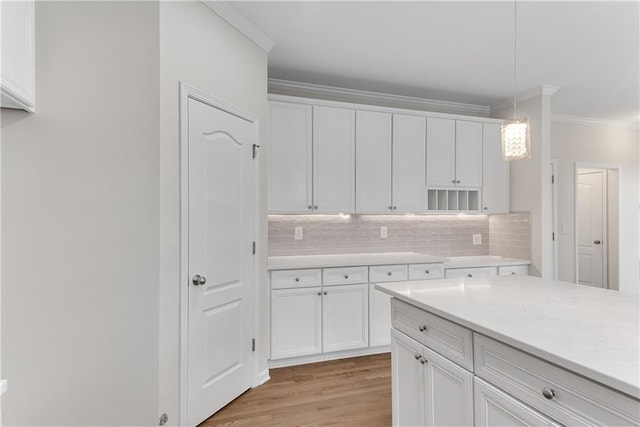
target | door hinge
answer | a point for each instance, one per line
(254, 248)
(253, 344)
(553, 179)
(255, 153)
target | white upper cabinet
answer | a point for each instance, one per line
(468, 154)
(409, 145)
(18, 54)
(333, 159)
(373, 162)
(454, 153)
(441, 152)
(290, 157)
(495, 172)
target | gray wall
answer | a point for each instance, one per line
(80, 222)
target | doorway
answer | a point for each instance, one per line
(217, 254)
(596, 225)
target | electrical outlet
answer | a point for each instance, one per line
(297, 234)
(477, 239)
(383, 232)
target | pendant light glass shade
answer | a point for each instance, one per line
(516, 140)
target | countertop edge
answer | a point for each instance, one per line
(613, 383)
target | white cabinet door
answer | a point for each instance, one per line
(448, 392)
(468, 154)
(495, 172)
(296, 322)
(18, 54)
(289, 157)
(333, 159)
(409, 146)
(493, 408)
(407, 381)
(379, 317)
(345, 320)
(373, 162)
(441, 152)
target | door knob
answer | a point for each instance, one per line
(199, 280)
(597, 242)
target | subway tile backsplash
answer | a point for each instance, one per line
(510, 235)
(440, 235)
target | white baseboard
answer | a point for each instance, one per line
(327, 356)
(263, 377)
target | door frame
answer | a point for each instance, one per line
(554, 215)
(606, 167)
(187, 92)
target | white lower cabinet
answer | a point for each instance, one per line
(379, 317)
(345, 323)
(494, 408)
(428, 390)
(296, 322)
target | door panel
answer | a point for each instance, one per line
(441, 152)
(221, 205)
(345, 320)
(373, 162)
(469, 153)
(590, 229)
(495, 172)
(296, 322)
(379, 317)
(407, 381)
(409, 150)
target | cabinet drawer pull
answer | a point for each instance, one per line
(469, 275)
(422, 328)
(297, 279)
(427, 271)
(319, 293)
(309, 207)
(513, 272)
(346, 276)
(315, 207)
(389, 273)
(417, 356)
(548, 393)
(422, 360)
(325, 292)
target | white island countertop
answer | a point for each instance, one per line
(345, 260)
(593, 332)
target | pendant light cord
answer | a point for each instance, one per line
(515, 53)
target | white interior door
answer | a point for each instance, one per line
(221, 207)
(590, 224)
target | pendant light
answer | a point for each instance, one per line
(516, 139)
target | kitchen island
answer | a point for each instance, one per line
(513, 350)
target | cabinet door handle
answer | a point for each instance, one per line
(485, 208)
(395, 207)
(597, 242)
(315, 207)
(319, 293)
(457, 181)
(513, 272)
(346, 276)
(422, 328)
(548, 393)
(469, 275)
(297, 279)
(427, 271)
(423, 360)
(389, 273)
(325, 292)
(417, 356)
(390, 208)
(453, 181)
(310, 207)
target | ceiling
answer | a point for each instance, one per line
(462, 51)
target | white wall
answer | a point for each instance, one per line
(80, 222)
(530, 182)
(199, 48)
(574, 142)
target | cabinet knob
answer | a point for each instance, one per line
(315, 207)
(457, 181)
(346, 276)
(309, 207)
(422, 328)
(427, 271)
(597, 242)
(548, 393)
(453, 181)
(469, 275)
(389, 273)
(297, 279)
(325, 292)
(485, 208)
(319, 293)
(417, 356)
(390, 208)
(422, 360)
(513, 273)
(395, 207)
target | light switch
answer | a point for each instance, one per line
(297, 234)
(383, 232)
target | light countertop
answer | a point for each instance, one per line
(344, 260)
(482, 261)
(593, 332)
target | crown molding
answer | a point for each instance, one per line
(546, 90)
(593, 122)
(286, 87)
(240, 23)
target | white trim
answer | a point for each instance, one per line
(187, 92)
(593, 122)
(367, 107)
(547, 90)
(240, 23)
(554, 215)
(263, 377)
(286, 87)
(323, 357)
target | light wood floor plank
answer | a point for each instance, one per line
(346, 392)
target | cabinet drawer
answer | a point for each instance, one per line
(450, 340)
(513, 270)
(344, 275)
(283, 279)
(470, 272)
(568, 397)
(388, 273)
(425, 271)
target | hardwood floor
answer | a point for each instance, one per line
(346, 392)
